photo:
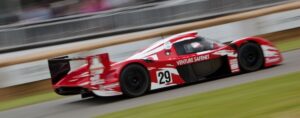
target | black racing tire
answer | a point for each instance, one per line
(134, 80)
(250, 57)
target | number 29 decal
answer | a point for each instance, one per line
(164, 77)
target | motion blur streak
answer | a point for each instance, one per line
(75, 107)
(35, 71)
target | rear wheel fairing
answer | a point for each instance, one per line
(111, 85)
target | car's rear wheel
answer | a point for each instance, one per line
(134, 80)
(250, 57)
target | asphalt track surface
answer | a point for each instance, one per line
(75, 107)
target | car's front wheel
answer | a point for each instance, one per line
(134, 80)
(250, 57)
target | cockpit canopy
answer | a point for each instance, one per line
(195, 45)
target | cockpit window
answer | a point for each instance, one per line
(193, 46)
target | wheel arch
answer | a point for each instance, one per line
(132, 63)
(259, 41)
(140, 64)
(238, 43)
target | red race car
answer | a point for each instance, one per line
(179, 59)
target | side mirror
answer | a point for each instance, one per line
(167, 45)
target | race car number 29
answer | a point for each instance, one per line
(164, 77)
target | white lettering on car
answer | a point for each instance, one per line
(193, 59)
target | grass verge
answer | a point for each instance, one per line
(289, 44)
(277, 97)
(37, 98)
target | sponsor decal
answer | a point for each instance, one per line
(164, 77)
(193, 59)
(234, 65)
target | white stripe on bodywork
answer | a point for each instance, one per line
(204, 52)
(107, 90)
(84, 84)
(143, 55)
(106, 93)
(184, 39)
(269, 51)
(161, 42)
(158, 46)
(158, 86)
(229, 53)
(172, 70)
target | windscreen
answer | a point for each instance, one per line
(198, 44)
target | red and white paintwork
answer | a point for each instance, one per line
(103, 80)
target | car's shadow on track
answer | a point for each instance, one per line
(93, 101)
(96, 101)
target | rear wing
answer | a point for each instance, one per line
(59, 67)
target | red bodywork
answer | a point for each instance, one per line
(103, 80)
